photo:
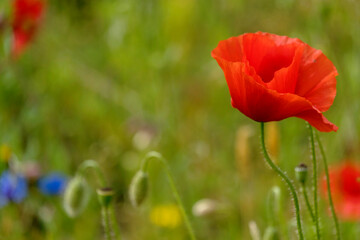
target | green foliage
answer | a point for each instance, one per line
(110, 80)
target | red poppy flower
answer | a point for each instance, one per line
(345, 189)
(26, 19)
(273, 77)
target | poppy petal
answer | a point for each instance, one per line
(285, 79)
(273, 77)
(262, 104)
(317, 120)
(316, 79)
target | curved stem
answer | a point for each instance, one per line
(315, 191)
(308, 205)
(144, 167)
(328, 188)
(94, 165)
(286, 179)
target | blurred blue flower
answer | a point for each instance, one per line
(52, 184)
(13, 187)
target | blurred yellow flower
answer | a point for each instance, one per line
(5, 153)
(167, 216)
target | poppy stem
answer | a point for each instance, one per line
(328, 187)
(87, 164)
(315, 191)
(114, 222)
(308, 205)
(176, 194)
(286, 179)
(106, 223)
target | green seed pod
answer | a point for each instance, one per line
(76, 196)
(271, 234)
(105, 196)
(138, 188)
(301, 173)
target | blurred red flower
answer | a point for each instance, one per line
(273, 77)
(26, 19)
(345, 189)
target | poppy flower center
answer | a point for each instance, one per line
(274, 60)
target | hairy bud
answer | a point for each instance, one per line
(76, 196)
(301, 173)
(138, 188)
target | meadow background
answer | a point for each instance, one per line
(111, 80)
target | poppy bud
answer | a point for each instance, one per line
(138, 188)
(271, 234)
(105, 196)
(76, 196)
(301, 173)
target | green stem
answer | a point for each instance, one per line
(286, 179)
(94, 165)
(106, 223)
(144, 166)
(308, 205)
(315, 191)
(328, 188)
(114, 222)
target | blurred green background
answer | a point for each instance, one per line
(111, 80)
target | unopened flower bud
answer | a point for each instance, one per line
(271, 234)
(76, 196)
(138, 188)
(301, 173)
(105, 196)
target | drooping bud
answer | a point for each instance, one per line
(301, 173)
(271, 234)
(138, 188)
(105, 196)
(76, 196)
